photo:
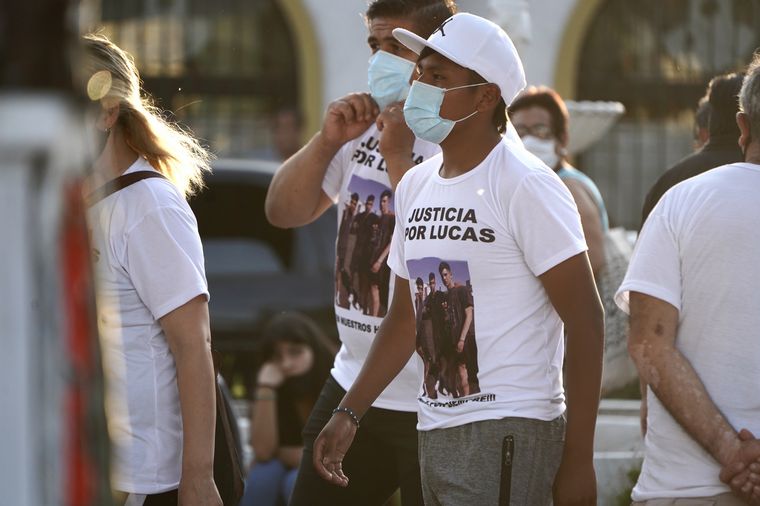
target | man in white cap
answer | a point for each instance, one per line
(509, 228)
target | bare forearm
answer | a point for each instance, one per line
(195, 381)
(570, 287)
(676, 384)
(264, 435)
(390, 351)
(585, 346)
(295, 193)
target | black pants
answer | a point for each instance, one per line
(382, 458)
(162, 499)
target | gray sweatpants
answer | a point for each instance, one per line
(511, 461)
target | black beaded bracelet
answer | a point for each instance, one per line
(349, 412)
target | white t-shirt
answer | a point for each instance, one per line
(149, 261)
(362, 296)
(699, 251)
(494, 229)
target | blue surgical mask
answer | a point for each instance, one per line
(389, 77)
(422, 112)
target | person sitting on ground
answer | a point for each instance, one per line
(296, 360)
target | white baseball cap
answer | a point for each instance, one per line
(477, 44)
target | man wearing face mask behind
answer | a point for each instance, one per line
(508, 226)
(364, 147)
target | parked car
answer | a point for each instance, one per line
(255, 269)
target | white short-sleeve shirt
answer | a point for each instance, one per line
(699, 251)
(493, 230)
(149, 261)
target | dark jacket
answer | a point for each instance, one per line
(719, 150)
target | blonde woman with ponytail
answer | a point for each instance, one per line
(153, 296)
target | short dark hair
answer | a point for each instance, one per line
(386, 193)
(431, 277)
(499, 117)
(426, 15)
(354, 196)
(546, 98)
(723, 95)
(419, 282)
(443, 265)
(702, 114)
(370, 197)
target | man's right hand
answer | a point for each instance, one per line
(348, 117)
(742, 474)
(331, 446)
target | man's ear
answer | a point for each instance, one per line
(742, 121)
(489, 98)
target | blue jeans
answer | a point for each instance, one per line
(269, 484)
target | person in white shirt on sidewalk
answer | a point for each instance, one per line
(691, 291)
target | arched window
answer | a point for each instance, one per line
(222, 67)
(656, 58)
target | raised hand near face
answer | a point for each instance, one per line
(348, 117)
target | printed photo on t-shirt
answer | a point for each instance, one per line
(445, 322)
(366, 226)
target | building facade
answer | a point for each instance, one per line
(224, 67)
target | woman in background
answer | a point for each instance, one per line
(540, 117)
(296, 360)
